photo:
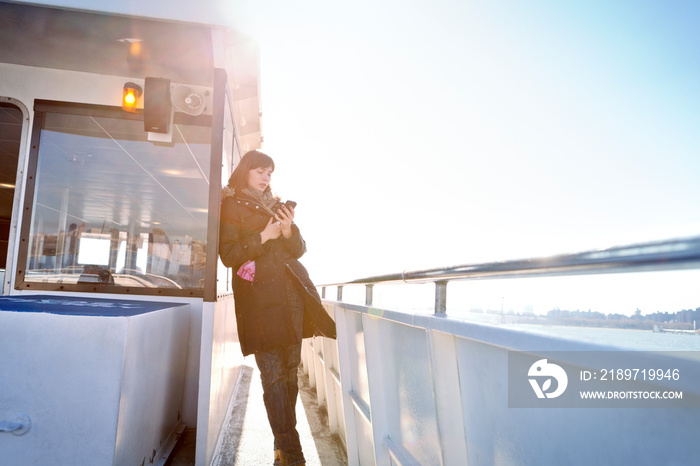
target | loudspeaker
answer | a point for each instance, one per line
(189, 101)
(157, 107)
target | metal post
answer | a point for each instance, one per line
(323, 292)
(218, 120)
(340, 293)
(368, 294)
(441, 298)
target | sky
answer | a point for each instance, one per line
(421, 134)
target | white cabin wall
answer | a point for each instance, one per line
(220, 368)
(99, 389)
(73, 418)
(27, 83)
(213, 339)
(241, 62)
(154, 372)
(221, 348)
(189, 402)
(213, 12)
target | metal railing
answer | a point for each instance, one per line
(672, 254)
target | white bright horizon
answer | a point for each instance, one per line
(424, 134)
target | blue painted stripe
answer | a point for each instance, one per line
(80, 306)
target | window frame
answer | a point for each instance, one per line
(41, 107)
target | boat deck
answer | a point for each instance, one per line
(248, 439)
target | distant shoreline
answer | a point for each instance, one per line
(617, 324)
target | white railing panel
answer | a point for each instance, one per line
(364, 455)
(358, 367)
(344, 352)
(332, 387)
(358, 433)
(408, 396)
(381, 410)
(309, 362)
(453, 439)
(320, 370)
(498, 434)
(484, 385)
(438, 394)
(320, 363)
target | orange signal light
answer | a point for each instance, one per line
(130, 97)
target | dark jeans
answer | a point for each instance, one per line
(278, 372)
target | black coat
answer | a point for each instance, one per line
(262, 312)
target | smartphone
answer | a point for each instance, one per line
(288, 204)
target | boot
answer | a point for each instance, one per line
(279, 459)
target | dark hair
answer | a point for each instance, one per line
(250, 161)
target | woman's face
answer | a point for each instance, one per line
(259, 178)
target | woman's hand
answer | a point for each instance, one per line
(273, 230)
(285, 217)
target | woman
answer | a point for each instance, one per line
(276, 303)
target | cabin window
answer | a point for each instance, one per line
(108, 208)
(10, 138)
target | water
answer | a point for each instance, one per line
(627, 339)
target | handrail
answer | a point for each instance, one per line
(671, 254)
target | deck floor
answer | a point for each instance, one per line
(248, 439)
